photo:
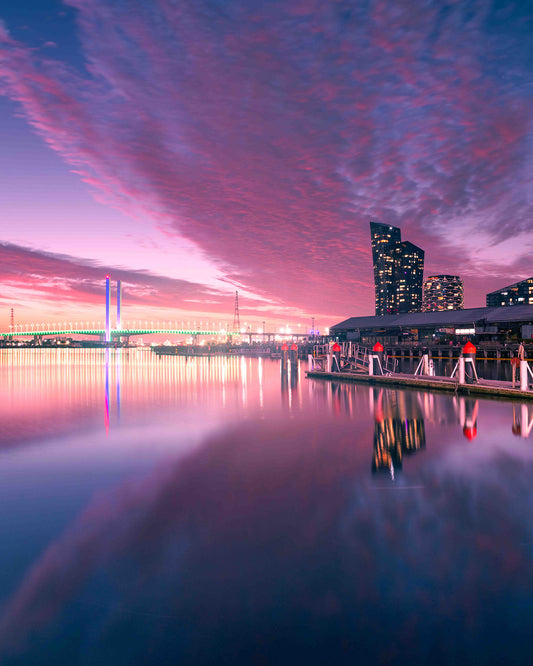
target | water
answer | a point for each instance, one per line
(218, 511)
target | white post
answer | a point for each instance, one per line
(523, 375)
(370, 364)
(328, 362)
(462, 411)
(425, 365)
(524, 418)
(310, 361)
(461, 370)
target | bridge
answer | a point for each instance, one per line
(33, 330)
(42, 330)
(107, 333)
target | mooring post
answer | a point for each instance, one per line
(523, 375)
(294, 352)
(336, 360)
(378, 358)
(469, 354)
(461, 369)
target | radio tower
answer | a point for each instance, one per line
(236, 316)
(12, 323)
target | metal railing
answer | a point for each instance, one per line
(353, 358)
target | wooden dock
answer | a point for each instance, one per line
(484, 387)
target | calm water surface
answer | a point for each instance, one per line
(221, 511)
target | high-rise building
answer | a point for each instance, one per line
(409, 277)
(398, 271)
(519, 293)
(443, 292)
(385, 240)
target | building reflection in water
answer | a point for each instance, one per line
(398, 428)
(44, 382)
(414, 410)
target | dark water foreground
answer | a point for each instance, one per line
(218, 511)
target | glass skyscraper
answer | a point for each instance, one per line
(398, 271)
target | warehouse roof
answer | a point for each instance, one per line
(512, 313)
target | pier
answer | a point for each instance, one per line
(485, 387)
(355, 364)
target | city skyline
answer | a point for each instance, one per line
(232, 146)
(398, 270)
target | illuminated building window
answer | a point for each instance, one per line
(443, 292)
(398, 271)
(515, 294)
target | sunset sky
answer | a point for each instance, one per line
(194, 147)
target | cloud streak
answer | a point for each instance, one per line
(269, 135)
(72, 281)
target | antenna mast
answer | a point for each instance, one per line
(236, 316)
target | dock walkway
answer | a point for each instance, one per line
(485, 387)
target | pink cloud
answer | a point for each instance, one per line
(81, 283)
(269, 139)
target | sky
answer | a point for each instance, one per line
(193, 148)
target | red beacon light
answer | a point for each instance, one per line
(284, 347)
(336, 347)
(469, 348)
(470, 433)
(378, 347)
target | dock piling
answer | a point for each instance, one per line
(524, 371)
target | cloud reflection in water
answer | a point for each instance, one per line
(273, 544)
